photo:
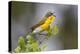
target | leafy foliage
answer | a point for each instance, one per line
(30, 44)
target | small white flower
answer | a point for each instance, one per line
(28, 36)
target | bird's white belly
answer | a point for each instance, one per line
(37, 30)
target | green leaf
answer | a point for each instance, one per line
(34, 44)
(21, 43)
(55, 29)
(18, 49)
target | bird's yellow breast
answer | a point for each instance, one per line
(48, 22)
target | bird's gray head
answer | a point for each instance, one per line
(49, 14)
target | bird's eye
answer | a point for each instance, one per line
(51, 13)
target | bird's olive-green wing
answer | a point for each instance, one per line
(39, 23)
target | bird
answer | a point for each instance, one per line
(44, 24)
